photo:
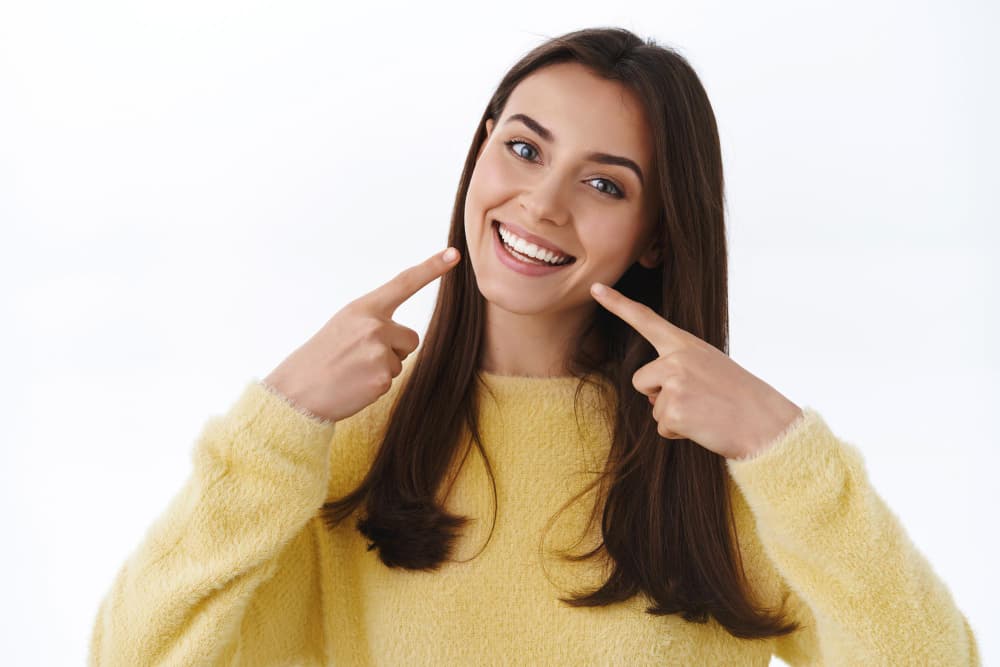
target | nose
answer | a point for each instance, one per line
(546, 200)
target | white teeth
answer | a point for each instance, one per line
(525, 258)
(530, 249)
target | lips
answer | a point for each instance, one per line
(531, 238)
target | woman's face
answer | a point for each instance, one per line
(552, 189)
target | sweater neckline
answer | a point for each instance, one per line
(548, 399)
(497, 377)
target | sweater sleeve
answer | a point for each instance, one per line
(862, 591)
(228, 572)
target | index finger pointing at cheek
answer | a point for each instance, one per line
(388, 297)
(639, 316)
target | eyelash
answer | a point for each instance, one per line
(621, 191)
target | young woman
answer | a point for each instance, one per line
(733, 524)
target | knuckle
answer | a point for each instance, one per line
(375, 353)
(674, 384)
(371, 330)
(408, 338)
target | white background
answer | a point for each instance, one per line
(189, 190)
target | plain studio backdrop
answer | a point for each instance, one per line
(188, 191)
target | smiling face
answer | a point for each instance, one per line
(554, 188)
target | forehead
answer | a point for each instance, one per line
(583, 111)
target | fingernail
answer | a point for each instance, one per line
(450, 255)
(597, 288)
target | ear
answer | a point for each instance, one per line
(489, 131)
(653, 255)
(651, 258)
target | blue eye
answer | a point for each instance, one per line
(618, 193)
(518, 141)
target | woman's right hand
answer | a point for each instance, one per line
(352, 360)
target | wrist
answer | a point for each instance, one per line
(784, 414)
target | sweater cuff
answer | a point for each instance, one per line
(271, 421)
(315, 419)
(800, 473)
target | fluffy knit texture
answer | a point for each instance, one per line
(240, 570)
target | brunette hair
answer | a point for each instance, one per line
(679, 551)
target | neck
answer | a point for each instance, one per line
(532, 345)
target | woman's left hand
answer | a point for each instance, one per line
(697, 391)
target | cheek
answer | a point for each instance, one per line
(610, 248)
(489, 187)
(490, 178)
(613, 257)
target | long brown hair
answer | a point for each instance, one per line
(679, 551)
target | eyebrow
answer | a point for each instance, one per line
(600, 158)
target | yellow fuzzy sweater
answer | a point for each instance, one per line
(240, 570)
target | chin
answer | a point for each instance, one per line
(506, 299)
